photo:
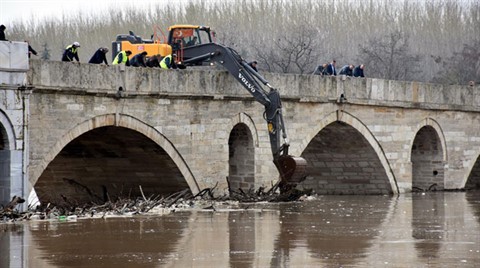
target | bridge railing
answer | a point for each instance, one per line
(13, 63)
(211, 82)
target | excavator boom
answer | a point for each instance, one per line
(194, 45)
(291, 168)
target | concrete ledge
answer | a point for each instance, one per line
(216, 83)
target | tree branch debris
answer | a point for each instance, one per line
(66, 210)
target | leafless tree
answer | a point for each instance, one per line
(462, 67)
(294, 51)
(288, 36)
(389, 57)
(45, 52)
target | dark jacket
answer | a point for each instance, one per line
(253, 67)
(2, 33)
(319, 70)
(153, 61)
(31, 51)
(357, 72)
(346, 70)
(70, 53)
(138, 60)
(331, 70)
(99, 57)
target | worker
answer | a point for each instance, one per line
(321, 69)
(346, 70)
(139, 60)
(192, 42)
(358, 71)
(153, 61)
(168, 63)
(122, 57)
(331, 68)
(2, 33)
(71, 52)
(253, 64)
(31, 50)
(100, 56)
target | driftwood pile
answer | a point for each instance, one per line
(141, 205)
(268, 195)
(9, 211)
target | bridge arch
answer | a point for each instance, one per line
(7, 145)
(243, 140)
(124, 121)
(428, 160)
(430, 122)
(7, 134)
(345, 121)
(248, 121)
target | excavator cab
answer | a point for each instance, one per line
(189, 35)
(180, 38)
(184, 37)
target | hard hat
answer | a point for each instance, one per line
(76, 44)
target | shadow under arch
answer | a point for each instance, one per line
(242, 141)
(430, 122)
(7, 145)
(427, 159)
(6, 133)
(129, 123)
(344, 118)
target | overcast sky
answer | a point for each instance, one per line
(12, 10)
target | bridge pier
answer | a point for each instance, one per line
(14, 111)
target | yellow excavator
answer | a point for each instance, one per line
(180, 38)
(193, 45)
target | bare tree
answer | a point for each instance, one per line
(462, 67)
(45, 52)
(389, 57)
(287, 36)
(294, 51)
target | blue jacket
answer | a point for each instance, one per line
(99, 57)
(331, 70)
(346, 70)
(357, 72)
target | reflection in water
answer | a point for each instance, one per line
(473, 198)
(434, 229)
(241, 239)
(11, 253)
(428, 223)
(113, 242)
(337, 230)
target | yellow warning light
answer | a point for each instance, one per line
(270, 127)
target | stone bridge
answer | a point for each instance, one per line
(92, 132)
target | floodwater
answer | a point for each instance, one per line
(411, 230)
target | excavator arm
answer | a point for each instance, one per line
(291, 169)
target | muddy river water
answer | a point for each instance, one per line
(410, 230)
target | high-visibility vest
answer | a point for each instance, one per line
(124, 58)
(74, 49)
(163, 64)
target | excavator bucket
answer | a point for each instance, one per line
(292, 169)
